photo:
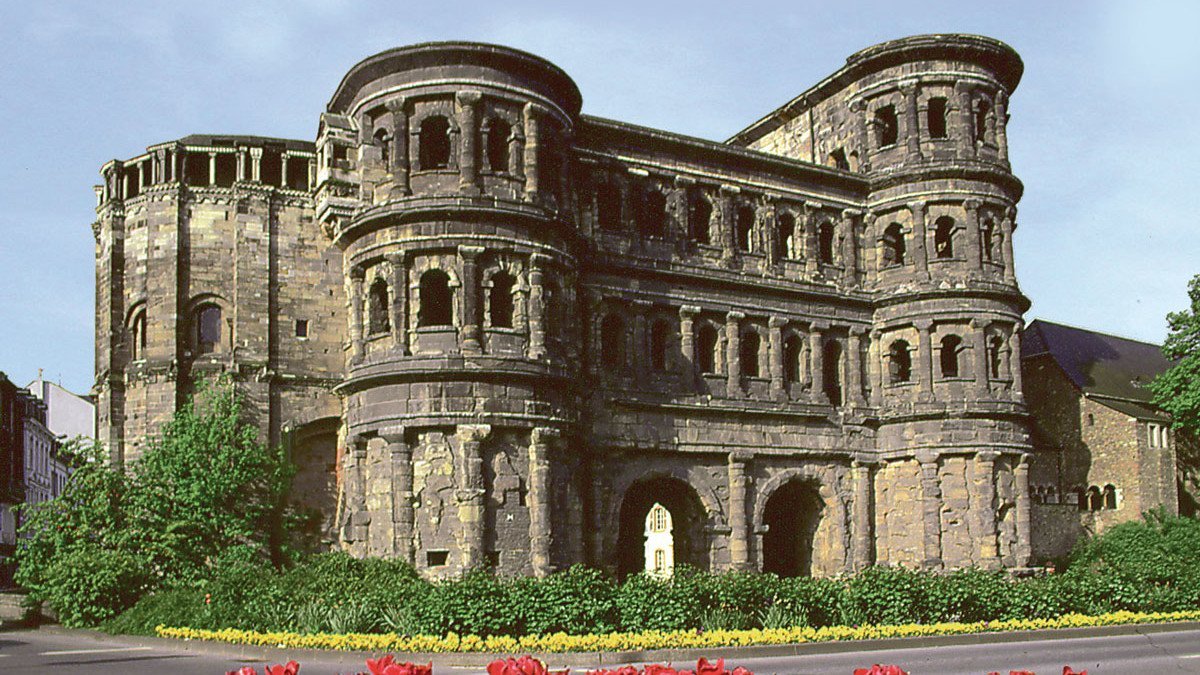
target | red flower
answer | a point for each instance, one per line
(526, 665)
(880, 670)
(244, 670)
(289, 668)
(1067, 671)
(659, 670)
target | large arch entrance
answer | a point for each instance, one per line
(313, 450)
(791, 517)
(689, 540)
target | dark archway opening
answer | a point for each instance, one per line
(688, 516)
(791, 517)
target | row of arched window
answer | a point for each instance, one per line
(894, 244)
(950, 354)
(886, 125)
(204, 330)
(436, 144)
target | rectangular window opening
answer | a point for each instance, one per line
(301, 328)
(436, 558)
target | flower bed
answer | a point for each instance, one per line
(616, 642)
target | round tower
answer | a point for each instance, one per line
(442, 178)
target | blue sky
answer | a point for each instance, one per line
(1105, 129)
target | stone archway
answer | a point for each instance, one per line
(791, 517)
(312, 448)
(687, 513)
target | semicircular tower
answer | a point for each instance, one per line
(442, 178)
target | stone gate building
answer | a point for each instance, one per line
(493, 330)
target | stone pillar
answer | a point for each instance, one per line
(256, 164)
(912, 126)
(536, 313)
(212, 169)
(1001, 112)
(532, 177)
(768, 228)
(172, 158)
(470, 492)
(1024, 546)
(470, 289)
(979, 360)
(402, 491)
(283, 169)
(516, 153)
(739, 524)
(355, 295)
(399, 158)
(160, 165)
(966, 124)
(817, 368)
(924, 360)
(875, 370)
(727, 205)
(850, 245)
(468, 147)
(399, 301)
(862, 553)
(812, 257)
(357, 519)
(931, 510)
(241, 164)
(974, 254)
(920, 240)
(638, 359)
(985, 488)
(687, 340)
(540, 531)
(733, 361)
(854, 384)
(1014, 364)
(775, 326)
(1006, 231)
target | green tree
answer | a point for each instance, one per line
(1178, 390)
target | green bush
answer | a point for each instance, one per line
(967, 595)
(577, 600)
(808, 602)
(179, 607)
(90, 584)
(886, 595)
(476, 604)
(645, 602)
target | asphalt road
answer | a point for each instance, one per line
(1176, 651)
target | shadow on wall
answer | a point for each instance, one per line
(312, 448)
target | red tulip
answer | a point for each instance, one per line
(244, 670)
(880, 670)
(1067, 671)
(289, 668)
(377, 666)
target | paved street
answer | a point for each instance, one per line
(1148, 652)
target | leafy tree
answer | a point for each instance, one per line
(1178, 390)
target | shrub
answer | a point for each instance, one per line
(968, 595)
(809, 602)
(645, 602)
(89, 584)
(886, 595)
(578, 600)
(179, 607)
(476, 604)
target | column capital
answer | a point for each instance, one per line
(734, 316)
(396, 105)
(358, 272)
(740, 458)
(859, 331)
(926, 457)
(977, 324)
(392, 434)
(729, 190)
(972, 204)
(468, 98)
(916, 206)
(988, 456)
(859, 463)
(850, 214)
(923, 325)
(818, 326)
(814, 206)
(534, 110)
(539, 261)
(1023, 461)
(776, 322)
(470, 252)
(688, 311)
(395, 257)
(543, 435)
(684, 181)
(473, 433)
(1011, 213)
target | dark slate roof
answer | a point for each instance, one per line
(1113, 370)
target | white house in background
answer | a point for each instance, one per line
(68, 415)
(660, 544)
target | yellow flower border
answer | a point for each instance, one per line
(615, 642)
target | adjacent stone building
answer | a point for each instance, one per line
(493, 330)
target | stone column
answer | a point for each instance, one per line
(1001, 112)
(399, 301)
(516, 153)
(402, 491)
(540, 531)
(399, 157)
(468, 147)
(924, 360)
(728, 233)
(966, 125)
(687, 340)
(985, 488)
(974, 254)
(768, 227)
(739, 524)
(241, 164)
(854, 385)
(470, 287)
(1006, 231)
(1023, 548)
(812, 257)
(283, 169)
(256, 164)
(864, 535)
(775, 326)
(979, 360)
(920, 241)
(471, 492)
(912, 127)
(1014, 364)
(212, 168)
(850, 245)
(160, 166)
(931, 508)
(357, 518)
(536, 313)
(532, 137)
(638, 360)
(874, 370)
(354, 293)
(817, 368)
(733, 362)
(172, 158)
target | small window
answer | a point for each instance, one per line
(658, 345)
(899, 362)
(831, 368)
(995, 349)
(301, 328)
(943, 237)
(552, 310)
(377, 308)
(498, 132)
(434, 143)
(1091, 420)
(1095, 500)
(887, 129)
(987, 239)
(701, 218)
(652, 214)
(837, 160)
(383, 141)
(208, 329)
(137, 336)
(500, 300)
(894, 248)
(226, 169)
(936, 118)
(745, 229)
(436, 558)
(297, 173)
(707, 345)
(1110, 497)
(436, 299)
(982, 112)
(951, 346)
(612, 341)
(748, 356)
(608, 206)
(785, 236)
(826, 235)
(792, 350)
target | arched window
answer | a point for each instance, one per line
(652, 216)
(982, 111)
(995, 348)
(894, 248)
(837, 160)
(612, 341)
(748, 353)
(785, 236)
(498, 132)
(831, 368)
(137, 336)
(208, 328)
(383, 141)
(951, 346)
(434, 143)
(377, 308)
(706, 348)
(887, 130)
(608, 206)
(899, 362)
(745, 229)
(1095, 500)
(987, 238)
(500, 300)
(701, 217)
(552, 308)
(436, 300)
(943, 237)
(1110, 496)
(826, 235)
(936, 118)
(658, 345)
(793, 350)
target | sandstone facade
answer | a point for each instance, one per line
(496, 331)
